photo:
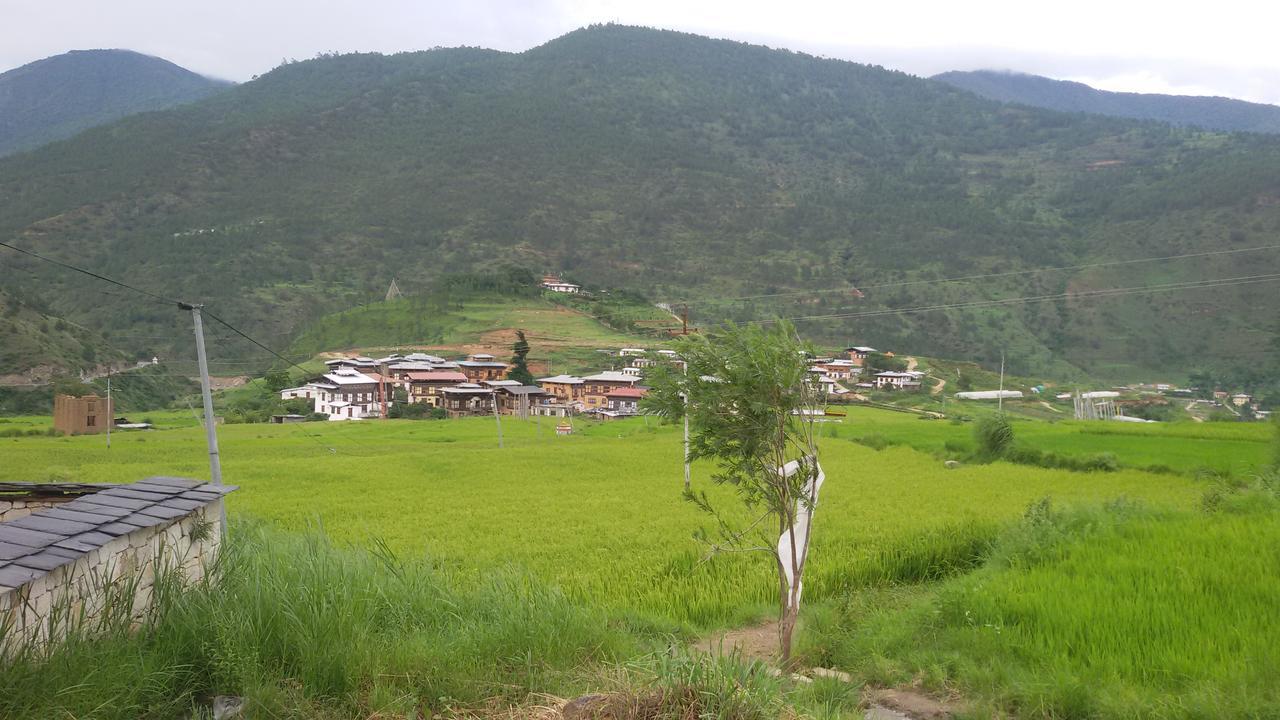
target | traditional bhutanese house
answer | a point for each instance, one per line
(564, 388)
(595, 388)
(467, 399)
(400, 370)
(838, 368)
(858, 353)
(427, 386)
(897, 381)
(354, 395)
(625, 401)
(519, 399)
(481, 370)
(1241, 399)
(631, 352)
(555, 284)
(355, 363)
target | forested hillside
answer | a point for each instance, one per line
(57, 97)
(1214, 113)
(670, 164)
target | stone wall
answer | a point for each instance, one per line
(112, 584)
(12, 509)
(96, 561)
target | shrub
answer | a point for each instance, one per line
(994, 436)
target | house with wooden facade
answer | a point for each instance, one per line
(858, 354)
(625, 401)
(467, 399)
(427, 387)
(564, 388)
(596, 388)
(481, 370)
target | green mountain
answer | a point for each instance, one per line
(677, 166)
(57, 97)
(1214, 113)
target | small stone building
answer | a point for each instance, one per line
(66, 549)
(82, 415)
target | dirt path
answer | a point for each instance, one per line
(757, 642)
(937, 389)
(760, 643)
(911, 364)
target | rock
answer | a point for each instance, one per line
(951, 464)
(228, 707)
(821, 672)
(584, 707)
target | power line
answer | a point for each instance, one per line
(1083, 294)
(91, 274)
(244, 335)
(984, 276)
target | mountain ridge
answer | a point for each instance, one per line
(1210, 112)
(56, 97)
(665, 163)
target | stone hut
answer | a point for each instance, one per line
(66, 547)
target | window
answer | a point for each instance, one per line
(91, 421)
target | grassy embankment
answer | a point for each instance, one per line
(918, 576)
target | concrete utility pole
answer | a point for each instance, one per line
(111, 411)
(1000, 400)
(496, 416)
(215, 465)
(686, 430)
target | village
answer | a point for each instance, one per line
(358, 388)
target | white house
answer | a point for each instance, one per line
(897, 380)
(348, 394)
(555, 284)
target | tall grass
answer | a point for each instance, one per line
(307, 629)
(1116, 612)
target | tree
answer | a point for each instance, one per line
(519, 360)
(276, 380)
(750, 403)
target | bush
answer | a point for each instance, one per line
(994, 436)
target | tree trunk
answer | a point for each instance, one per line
(785, 631)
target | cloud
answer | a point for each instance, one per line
(1170, 47)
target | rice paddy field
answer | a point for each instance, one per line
(922, 575)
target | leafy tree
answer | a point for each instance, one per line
(994, 436)
(276, 380)
(749, 397)
(519, 360)
(880, 362)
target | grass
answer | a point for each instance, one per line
(598, 513)
(477, 575)
(1127, 613)
(562, 338)
(1185, 447)
(310, 630)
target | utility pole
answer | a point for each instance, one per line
(1000, 400)
(215, 465)
(686, 428)
(111, 411)
(497, 417)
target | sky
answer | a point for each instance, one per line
(1226, 48)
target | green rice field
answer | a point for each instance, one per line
(1118, 596)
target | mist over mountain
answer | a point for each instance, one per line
(676, 166)
(57, 97)
(1214, 113)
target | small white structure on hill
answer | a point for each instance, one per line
(989, 395)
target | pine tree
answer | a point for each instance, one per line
(519, 360)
